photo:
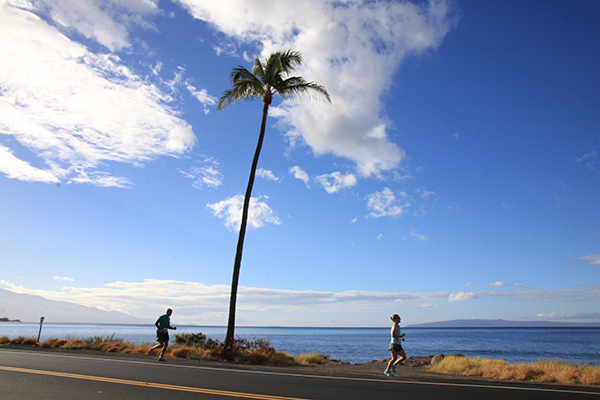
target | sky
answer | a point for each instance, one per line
(455, 175)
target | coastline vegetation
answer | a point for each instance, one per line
(4, 319)
(194, 346)
(541, 371)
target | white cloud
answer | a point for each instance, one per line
(107, 22)
(353, 49)
(15, 168)
(414, 235)
(74, 109)
(300, 174)
(496, 284)
(334, 182)
(230, 210)
(63, 278)
(424, 194)
(386, 204)
(202, 96)
(266, 174)
(592, 259)
(557, 315)
(196, 301)
(589, 160)
(461, 296)
(205, 175)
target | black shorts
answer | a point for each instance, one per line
(162, 337)
(395, 348)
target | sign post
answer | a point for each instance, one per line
(40, 332)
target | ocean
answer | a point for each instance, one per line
(360, 345)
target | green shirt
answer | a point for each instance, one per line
(163, 322)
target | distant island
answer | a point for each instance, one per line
(500, 323)
(9, 320)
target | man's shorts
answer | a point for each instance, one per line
(162, 337)
(395, 348)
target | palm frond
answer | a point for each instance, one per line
(270, 77)
(246, 86)
(297, 87)
(289, 60)
(258, 70)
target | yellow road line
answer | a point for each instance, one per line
(148, 384)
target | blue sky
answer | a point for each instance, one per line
(456, 173)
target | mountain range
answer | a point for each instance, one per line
(500, 323)
(29, 308)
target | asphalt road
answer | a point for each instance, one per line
(26, 374)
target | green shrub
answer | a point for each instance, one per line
(102, 342)
(190, 339)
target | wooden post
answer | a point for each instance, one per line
(40, 332)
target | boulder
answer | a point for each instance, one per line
(437, 359)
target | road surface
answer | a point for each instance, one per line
(27, 374)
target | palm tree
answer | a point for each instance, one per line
(266, 79)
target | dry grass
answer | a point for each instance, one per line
(312, 358)
(18, 340)
(541, 371)
(258, 352)
(54, 343)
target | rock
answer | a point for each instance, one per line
(437, 359)
(417, 362)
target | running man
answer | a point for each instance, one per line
(163, 324)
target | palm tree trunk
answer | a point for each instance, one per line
(228, 345)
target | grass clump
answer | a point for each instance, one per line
(53, 343)
(101, 343)
(541, 371)
(312, 358)
(18, 340)
(245, 351)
